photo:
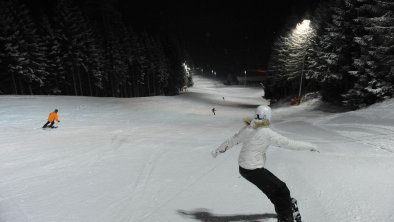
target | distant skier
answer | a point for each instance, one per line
(256, 137)
(214, 110)
(51, 119)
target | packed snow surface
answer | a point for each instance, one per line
(148, 159)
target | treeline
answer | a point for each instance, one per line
(63, 48)
(346, 53)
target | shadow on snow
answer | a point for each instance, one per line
(204, 215)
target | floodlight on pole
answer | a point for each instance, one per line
(303, 27)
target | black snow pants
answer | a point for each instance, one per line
(46, 124)
(274, 188)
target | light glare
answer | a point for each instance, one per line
(303, 26)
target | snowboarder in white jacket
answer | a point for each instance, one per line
(256, 137)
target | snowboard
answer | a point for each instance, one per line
(296, 212)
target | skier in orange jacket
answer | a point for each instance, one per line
(51, 119)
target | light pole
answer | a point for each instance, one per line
(302, 75)
(303, 28)
(245, 78)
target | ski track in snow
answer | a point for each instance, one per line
(148, 159)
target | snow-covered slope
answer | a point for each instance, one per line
(147, 159)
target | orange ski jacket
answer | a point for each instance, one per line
(53, 116)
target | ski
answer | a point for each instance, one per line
(53, 127)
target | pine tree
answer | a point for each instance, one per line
(176, 78)
(24, 51)
(277, 84)
(139, 64)
(155, 67)
(134, 50)
(79, 46)
(55, 68)
(162, 69)
(69, 54)
(93, 64)
(116, 66)
(373, 67)
(331, 50)
(8, 50)
(115, 44)
(289, 53)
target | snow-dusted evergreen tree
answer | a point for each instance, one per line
(331, 50)
(70, 54)
(289, 53)
(128, 48)
(350, 56)
(79, 47)
(138, 64)
(156, 73)
(54, 58)
(276, 84)
(23, 49)
(94, 66)
(374, 66)
(176, 78)
(136, 52)
(115, 64)
(162, 68)
(8, 50)
(114, 37)
(71, 42)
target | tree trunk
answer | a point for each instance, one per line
(112, 86)
(21, 87)
(154, 87)
(125, 91)
(135, 85)
(90, 85)
(80, 81)
(131, 90)
(75, 84)
(14, 83)
(148, 82)
(30, 89)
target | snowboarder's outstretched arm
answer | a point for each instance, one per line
(283, 142)
(229, 143)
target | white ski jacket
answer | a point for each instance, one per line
(256, 138)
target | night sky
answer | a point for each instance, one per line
(227, 37)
